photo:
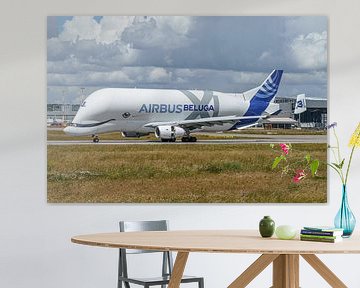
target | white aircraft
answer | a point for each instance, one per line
(173, 113)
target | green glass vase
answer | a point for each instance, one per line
(266, 227)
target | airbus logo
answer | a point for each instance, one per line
(174, 108)
(199, 108)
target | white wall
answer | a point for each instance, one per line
(35, 248)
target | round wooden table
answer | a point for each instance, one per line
(284, 254)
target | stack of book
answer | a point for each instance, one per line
(321, 234)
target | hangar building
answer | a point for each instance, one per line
(314, 117)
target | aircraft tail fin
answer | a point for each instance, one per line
(270, 86)
(260, 98)
(300, 105)
(265, 93)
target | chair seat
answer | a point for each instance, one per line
(158, 280)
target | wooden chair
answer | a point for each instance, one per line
(167, 262)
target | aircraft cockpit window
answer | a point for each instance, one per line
(126, 115)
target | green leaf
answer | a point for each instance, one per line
(342, 163)
(276, 162)
(308, 158)
(336, 165)
(314, 167)
(272, 146)
(336, 169)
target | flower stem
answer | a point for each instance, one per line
(339, 158)
(348, 167)
(338, 146)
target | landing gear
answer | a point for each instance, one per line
(189, 139)
(95, 138)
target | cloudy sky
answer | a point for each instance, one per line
(229, 54)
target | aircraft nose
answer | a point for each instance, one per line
(68, 130)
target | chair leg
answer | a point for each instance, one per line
(201, 283)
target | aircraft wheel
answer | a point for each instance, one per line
(185, 139)
(164, 140)
(96, 139)
(173, 140)
(193, 139)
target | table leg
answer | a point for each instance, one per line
(324, 271)
(293, 262)
(253, 270)
(178, 269)
(286, 271)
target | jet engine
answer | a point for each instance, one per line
(133, 134)
(169, 133)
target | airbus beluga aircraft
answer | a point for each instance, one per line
(172, 114)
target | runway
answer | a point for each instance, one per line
(246, 139)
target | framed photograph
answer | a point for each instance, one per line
(184, 109)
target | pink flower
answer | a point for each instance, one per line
(284, 148)
(300, 174)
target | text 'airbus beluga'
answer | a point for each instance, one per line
(173, 114)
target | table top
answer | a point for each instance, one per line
(217, 241)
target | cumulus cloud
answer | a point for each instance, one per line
(295, 26)
(165, 32)
(80, 28)
(112, 27)
(229, 54)
(310, 51)
(107, 31)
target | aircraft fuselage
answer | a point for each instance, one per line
(131, 109)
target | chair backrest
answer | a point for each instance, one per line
(134, 226)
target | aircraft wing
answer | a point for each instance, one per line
(200, 122)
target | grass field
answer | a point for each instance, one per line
(178, 174)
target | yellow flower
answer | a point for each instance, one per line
(355, 138)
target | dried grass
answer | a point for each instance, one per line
(177, 174)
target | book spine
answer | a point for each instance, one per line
(320, 233)
(318, 236)
(317, 239)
